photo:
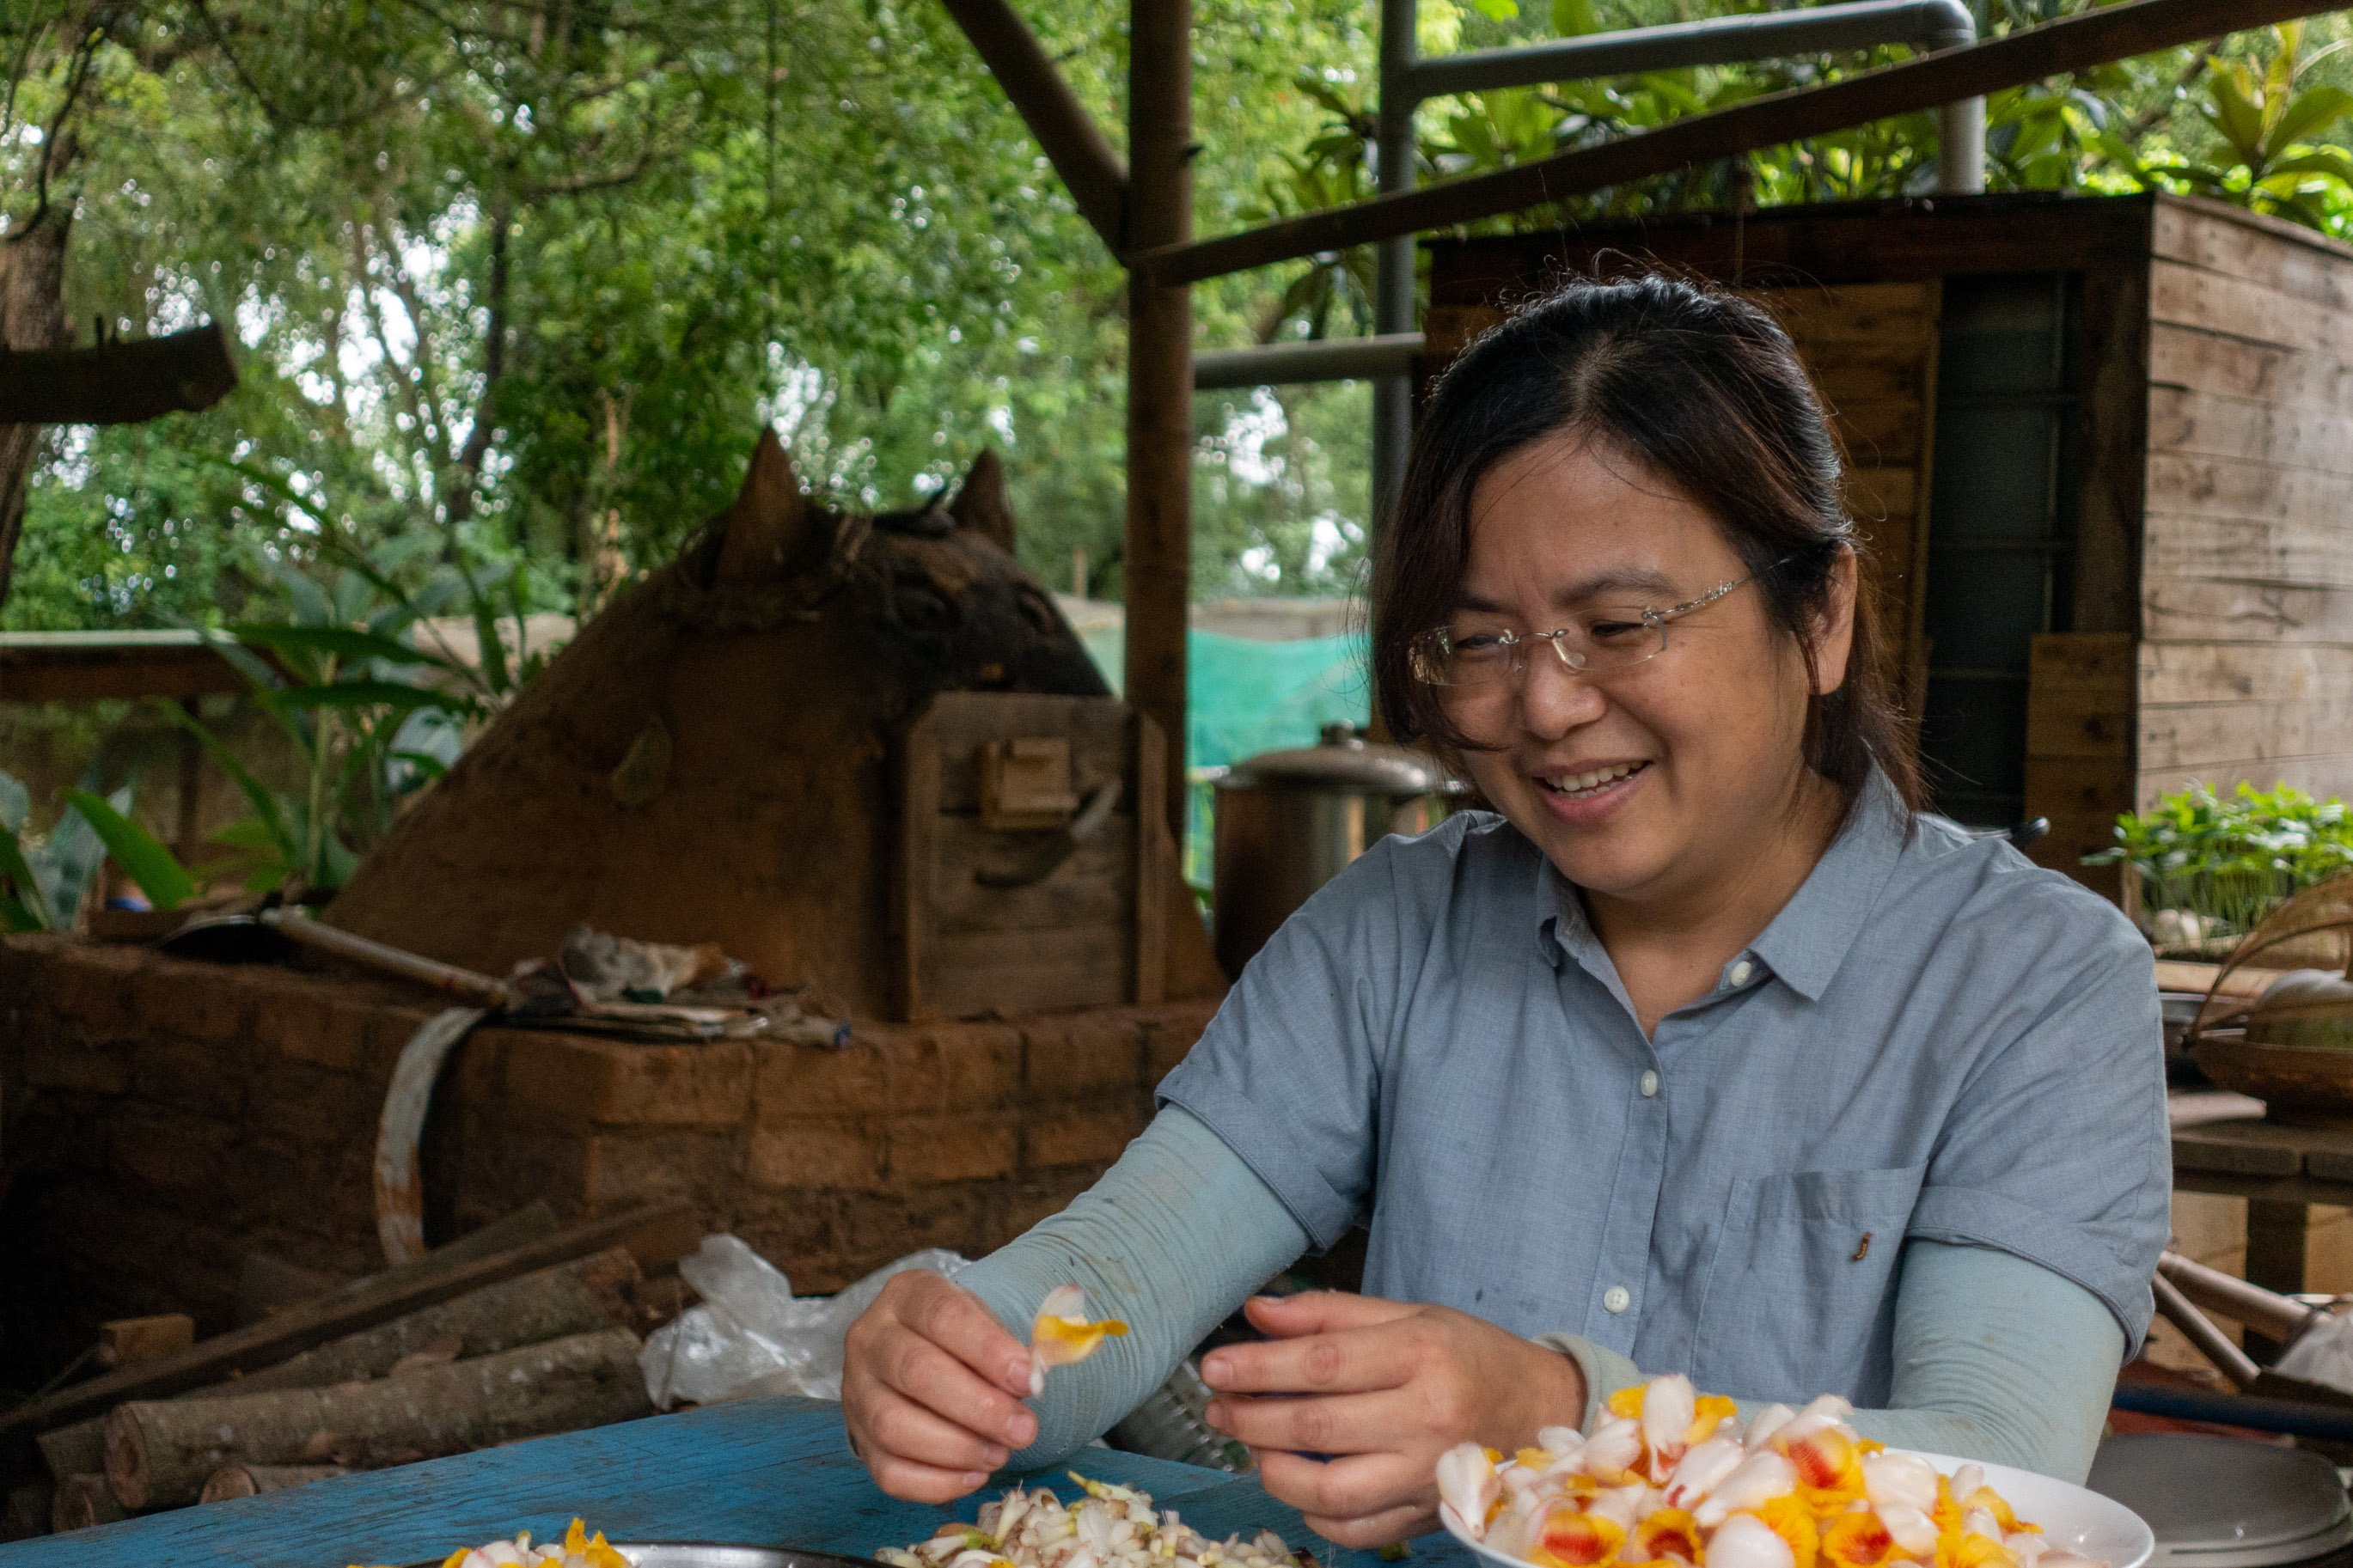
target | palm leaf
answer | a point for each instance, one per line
(340, 641)
(346, 696)
(2312, 111)
(155, 868)
(266, 808)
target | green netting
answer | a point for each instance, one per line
(1249, 696)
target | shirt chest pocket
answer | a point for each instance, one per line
(1799, 1297)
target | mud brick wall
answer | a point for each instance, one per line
(160, 1119)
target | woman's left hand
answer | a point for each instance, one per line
(1383, 1387)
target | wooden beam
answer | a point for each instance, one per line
(76, 667)
(2029, 55)
(1069, 136)
(1158, 568)
(116, 383)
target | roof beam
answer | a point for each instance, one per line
(1071, 140)
(2029, 55)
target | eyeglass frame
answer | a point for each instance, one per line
(1576, 663)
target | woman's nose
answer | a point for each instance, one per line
(1554, 699)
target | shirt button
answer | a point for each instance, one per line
(1616, 1298)
(1649, 1084)
(1742, 971)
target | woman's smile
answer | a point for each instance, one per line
(1582, 795)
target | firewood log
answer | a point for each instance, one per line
(76, 1450)
(82, 1502)
(655, 1235)
(160, 1453)
(576, 1297)
(252, 1480)
(570, 1298)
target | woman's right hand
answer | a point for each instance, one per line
(931, 1390)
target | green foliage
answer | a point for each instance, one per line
(2231, 857)
(373, 718)
(156, 869)
(2268, 130)
(44, 879)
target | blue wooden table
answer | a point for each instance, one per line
(766, 1471)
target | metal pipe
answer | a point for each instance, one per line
(2212, 1343)
(1324, 359)
(2030, 54)
(1927, 25)
(1393, 259)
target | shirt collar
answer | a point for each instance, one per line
(1805, 943)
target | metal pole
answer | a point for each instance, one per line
(1158, 569)
(1393, 278)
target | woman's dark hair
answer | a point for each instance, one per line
(1700, 387)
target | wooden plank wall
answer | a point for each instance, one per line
(2079, 747)
(2246, 660)
(1872, 351)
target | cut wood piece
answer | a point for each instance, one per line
(649, 1233)
(254, 1480)
(127, 1342)
(82, 1502)
(76, 1450)
(160, 1453)
(577, 1298)
(266, 1284)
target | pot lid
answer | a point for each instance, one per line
(1343, 761)
(2223, 1502)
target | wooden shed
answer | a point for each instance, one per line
(2104, 451)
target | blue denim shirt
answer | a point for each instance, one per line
(1934, 1039)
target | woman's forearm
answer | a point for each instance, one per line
(1172, 1239)
(1997, 1359)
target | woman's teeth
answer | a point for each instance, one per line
(1586, 784)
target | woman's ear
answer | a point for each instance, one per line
(1834, 631)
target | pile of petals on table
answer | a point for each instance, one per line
(1672, 1480)
(1111, 1526)
(576, 1550)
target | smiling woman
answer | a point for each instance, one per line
(1706, 1050)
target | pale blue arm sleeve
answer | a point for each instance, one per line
(1997, 1359)
(1174, 1238)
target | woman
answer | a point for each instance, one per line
(1699, 1052)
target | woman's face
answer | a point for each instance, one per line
(1661, 781)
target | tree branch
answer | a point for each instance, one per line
(116, 383)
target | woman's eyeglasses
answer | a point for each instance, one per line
(1600, 642)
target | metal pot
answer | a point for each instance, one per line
(1289, 821)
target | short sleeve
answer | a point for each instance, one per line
(2057, 1148)
(1288, 1073)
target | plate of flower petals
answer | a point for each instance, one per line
(1673, 1479)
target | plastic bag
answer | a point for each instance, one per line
(2323, 1353)
(752, 1335)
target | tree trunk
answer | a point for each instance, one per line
(160, 1454)
(253, 1480)
(82, 1502)
(32, 316)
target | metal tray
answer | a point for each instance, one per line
(718, 1555)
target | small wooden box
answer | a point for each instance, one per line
(995, 909)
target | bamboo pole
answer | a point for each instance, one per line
(1159, 566)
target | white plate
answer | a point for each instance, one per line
(2083, 1521)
